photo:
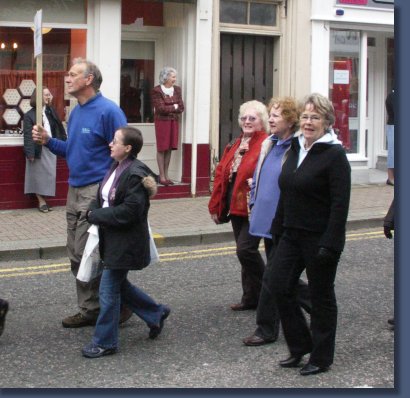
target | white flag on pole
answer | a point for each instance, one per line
(38, 34)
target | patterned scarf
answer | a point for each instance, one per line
(119, 169)
(237, 157)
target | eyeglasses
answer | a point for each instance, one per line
(312, 118)
(115, 142)
(250, 118)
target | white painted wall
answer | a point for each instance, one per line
(104, 43)
(203, 75)
(326, 10)
(319, 76)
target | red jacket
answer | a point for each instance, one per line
(164, 104)
(239, 205)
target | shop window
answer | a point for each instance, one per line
(18, 76)
(61, 11)
(246, 12)
(344, 85)
(137, 80)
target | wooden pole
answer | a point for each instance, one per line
(39, 90)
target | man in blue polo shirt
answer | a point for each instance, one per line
(91, 127)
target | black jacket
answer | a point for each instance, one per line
(315, 196)
(390, 108)
(31, 149)
(389, 218)
(123, 227)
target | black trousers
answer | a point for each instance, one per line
(267, 314)
(296, 251)
(252, 264)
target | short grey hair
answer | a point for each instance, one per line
(260, 109)
(322, 105)
(90, 69)
(165, 72)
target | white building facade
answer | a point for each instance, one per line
(352, 54)
(225, 51)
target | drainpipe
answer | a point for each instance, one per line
(362, 99)
(194, 154)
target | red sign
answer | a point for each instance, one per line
(355, 2)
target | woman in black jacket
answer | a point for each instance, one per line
(121, 211)
(311, 224)
(40, 176)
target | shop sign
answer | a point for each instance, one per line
(355, 2)
(341, 76)
(368, 3)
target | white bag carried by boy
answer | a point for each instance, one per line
(152, 248)
(90, 266)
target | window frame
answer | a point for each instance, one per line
(149, 34)
(229, 26)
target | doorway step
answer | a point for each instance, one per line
(178, 190)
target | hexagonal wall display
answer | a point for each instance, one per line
(25, 105)
(27, 87)
(11, 116)
(11, 96)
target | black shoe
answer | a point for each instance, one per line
(310, 369)
(243, 307)
(155, 331)
(292, 362)
(391, 321)
(4, 307)
(254, 341)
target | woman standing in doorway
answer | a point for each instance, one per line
(168, 105)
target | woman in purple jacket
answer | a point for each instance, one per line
(283, 123)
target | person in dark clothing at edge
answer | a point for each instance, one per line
(388, 227)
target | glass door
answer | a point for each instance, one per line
(344, 86)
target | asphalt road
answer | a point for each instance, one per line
(200, 346)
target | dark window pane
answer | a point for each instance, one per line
(233, 12)
(263, 14)
(137, 80)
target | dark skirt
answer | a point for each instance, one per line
(166, 133)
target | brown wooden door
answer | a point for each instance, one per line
(246, 74)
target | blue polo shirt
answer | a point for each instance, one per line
(91, 128)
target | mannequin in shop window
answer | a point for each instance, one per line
(130, 100)
(40, 176)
